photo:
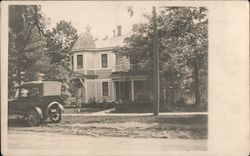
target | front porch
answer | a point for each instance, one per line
(130, 87)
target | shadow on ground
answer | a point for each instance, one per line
(22, 123)
(17, 123)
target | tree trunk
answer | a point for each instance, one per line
(166, 92)
(196, 82)
(19, 80)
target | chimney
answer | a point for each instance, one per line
(114, 33)
(119, 30)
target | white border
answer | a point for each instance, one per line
(228, 77)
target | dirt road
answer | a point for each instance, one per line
(100, 145)
(106, 135)
(168, 127)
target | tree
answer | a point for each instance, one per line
(182, 33)
(26, 43)
(59, 42)
(187, 42)
(33, 50)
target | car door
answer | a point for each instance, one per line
(27, 101)
(13, 103)
(12, 106)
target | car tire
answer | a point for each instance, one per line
(56, 118)
(33, 118)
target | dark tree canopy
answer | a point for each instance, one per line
(59, 42)
(35, 52)
(26, 43)
(182, 43)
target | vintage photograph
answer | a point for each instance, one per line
(107, 78)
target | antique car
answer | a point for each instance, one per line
(36, 101)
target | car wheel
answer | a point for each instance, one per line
(56, 117)
(33, 118)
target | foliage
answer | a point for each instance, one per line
(186, 42)
(33, 51)
(182, 44)
(26, 44)
(59, 41)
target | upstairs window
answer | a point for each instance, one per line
(79, 62)
(105, 89)
(104, 60)
(72, 62)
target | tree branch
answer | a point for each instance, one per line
(37, 23)
(27, 39)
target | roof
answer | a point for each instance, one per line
(122, 76)
(77, 75)
(110, 43)
(32, 83)
(86, 42)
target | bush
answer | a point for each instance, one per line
(134, 107)
(92, 103)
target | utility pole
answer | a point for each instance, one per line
(156, 67)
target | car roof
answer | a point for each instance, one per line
(35, 83)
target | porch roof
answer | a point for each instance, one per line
(130, 75)
(80, 75)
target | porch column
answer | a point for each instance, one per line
(84, 91)
(132, 90)
(114, 90)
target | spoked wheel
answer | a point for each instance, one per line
(33, 118)
(56, 116)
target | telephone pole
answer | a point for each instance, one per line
(156, 66)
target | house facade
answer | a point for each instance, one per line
(102, 75)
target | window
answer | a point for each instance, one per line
(79, 62)
(105, 89)
(29, 92)
(24, 92)
(104, 60)
(72, 62)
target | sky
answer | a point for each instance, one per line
(103, 17)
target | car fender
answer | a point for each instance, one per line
(52, 104)
(39, 112)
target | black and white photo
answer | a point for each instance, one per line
(110, 78)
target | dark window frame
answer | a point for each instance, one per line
(79, 62)
(105, 89)
(104, 60)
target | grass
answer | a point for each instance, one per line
(146, 107)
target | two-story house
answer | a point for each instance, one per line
(103, 75)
